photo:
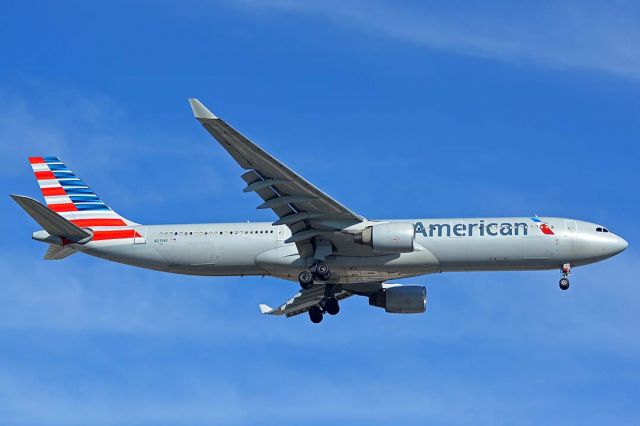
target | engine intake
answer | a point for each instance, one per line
(405, 299)
(393, 237)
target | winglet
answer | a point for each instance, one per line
(199, 110)
(265, 309)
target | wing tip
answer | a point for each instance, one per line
(199, 110)
(265, 309)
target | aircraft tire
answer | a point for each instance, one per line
(321, 268)
(315, 314)
(305, 278)
(564, 283)
(324, 277)
(332, 306)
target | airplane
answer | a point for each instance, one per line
(331, 251)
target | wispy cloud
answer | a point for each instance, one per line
(91, 132)
(599, 36)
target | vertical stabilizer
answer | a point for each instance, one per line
(67, 195)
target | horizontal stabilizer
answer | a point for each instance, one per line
(57, 252)
(51, 221)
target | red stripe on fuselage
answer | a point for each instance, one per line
(114, 235)
(98, 222)
(36, 160)
(44, 175)
(58, 190)
(58, 208)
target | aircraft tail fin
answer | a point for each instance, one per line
(70, 197)
(56, 252)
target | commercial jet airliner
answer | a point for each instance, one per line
(332, 252)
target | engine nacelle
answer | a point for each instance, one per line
(402, 299)
(393, 237)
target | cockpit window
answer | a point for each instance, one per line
(599, 229)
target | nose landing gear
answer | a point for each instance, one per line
(564, 281)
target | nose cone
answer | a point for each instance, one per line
(617, 245)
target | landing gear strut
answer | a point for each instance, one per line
(564, 281)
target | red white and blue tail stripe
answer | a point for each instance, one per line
(70, 197)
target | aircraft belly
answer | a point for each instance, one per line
(285, 262)
(486, 253)
(130, 254)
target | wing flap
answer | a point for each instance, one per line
(303, 301)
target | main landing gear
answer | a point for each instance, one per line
(327, 305)
(564, 281)
(319, 270)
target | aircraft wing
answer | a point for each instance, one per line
(303, 301)
(305, 209)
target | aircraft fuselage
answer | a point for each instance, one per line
(440, 245)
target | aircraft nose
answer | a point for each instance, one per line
(618, 245)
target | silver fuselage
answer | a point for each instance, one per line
(467, 244)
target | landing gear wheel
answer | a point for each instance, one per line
(321, 268)
(321, 271)
(324, 277)
(331, 306)
(305, 278)
(564, 283)
(315, 314)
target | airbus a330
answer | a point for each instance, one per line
(330, 250)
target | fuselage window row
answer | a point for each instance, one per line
(212, 233)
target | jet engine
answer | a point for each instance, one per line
(393, 237)
(401, 299)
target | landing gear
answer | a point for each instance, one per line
(331, 306)
(315, 314)
(305, 278)
(564, 281)
(321, 271)
(318, 270)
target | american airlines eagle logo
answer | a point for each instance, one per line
(545, 228)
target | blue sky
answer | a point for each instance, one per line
(420, 109)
